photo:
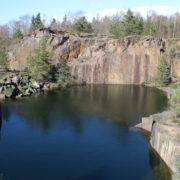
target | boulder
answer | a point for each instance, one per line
(35, 84)
(2, 97)
(9, 92)
(15, 79)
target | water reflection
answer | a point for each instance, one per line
(122, 105)
(80, 133)
(0, 120)
(159, 168)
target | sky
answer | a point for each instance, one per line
(13, 9)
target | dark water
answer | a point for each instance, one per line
(81, 133)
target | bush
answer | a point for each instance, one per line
(172, 52)
(175, 100)
(129, 26)
(63, 74)
(18, 34)
(39, 65)
(82, 25)
(36, 23)
(3, 58)
(163, 76)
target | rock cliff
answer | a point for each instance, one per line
(132, 60)
(165, 138)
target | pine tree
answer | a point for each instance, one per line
(82, 25)
(63, 74)
(130, 25)
(36, 23)
(163, 72)
(64, 24)
(149, 28)
(3, 58)
(18, 34)
(39, 63)
(54, 25)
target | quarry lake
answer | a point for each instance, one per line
(81, 133)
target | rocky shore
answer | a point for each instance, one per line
(133, 60)
(165, 136)
(20, 84)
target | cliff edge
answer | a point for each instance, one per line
(132, 60)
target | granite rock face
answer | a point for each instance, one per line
(165, 138)
(132, 60)
(146, 124)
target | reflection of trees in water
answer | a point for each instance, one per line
(5, 112)
(119, 104)
(0, 120)
(159, 168)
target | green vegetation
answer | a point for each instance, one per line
(36, 23)
(117, 26)
(175, 100)
(82, 25)
(41, 70)
(3, 58)
(63, 74)
(39, 65)
(18, 34)
(172, 52)
(163, 76)
(54, 24)
(149, 28)
(130, 25)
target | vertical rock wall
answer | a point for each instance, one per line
(132, 60)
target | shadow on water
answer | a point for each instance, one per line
(122, 105)
(160, 170)
(0, 120)
(84, 131)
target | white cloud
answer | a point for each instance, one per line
(160, 10)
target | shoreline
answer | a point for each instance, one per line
(160, 125)
(165, 135)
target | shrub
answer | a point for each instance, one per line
(3, 58)
(172, 52)
(175, 100)
(130, 25)
(163, 76)
(63, 74)
(36, 23)
(82, 25)
(18, 34)
(38, 63)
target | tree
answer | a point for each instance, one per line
(4, 36)
(36, 23)
(130, 25)
(63, 74)
(149, 27)
(175, 100)
(25, 22)
(64, 24)
(163, 76)
(3, 58)
(39, 63)
(82, 25)
(54, 25)
(18, 34)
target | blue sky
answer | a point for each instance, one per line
(12, 9)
